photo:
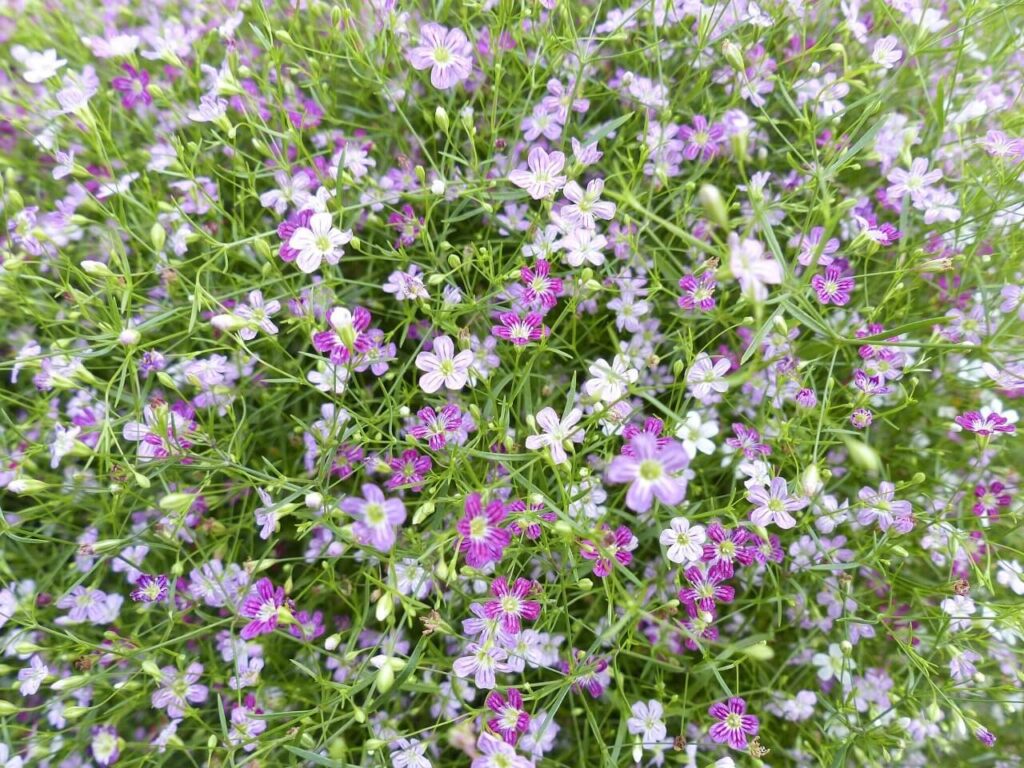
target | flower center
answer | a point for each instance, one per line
(650, 470)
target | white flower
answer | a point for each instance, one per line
(38, 66)
(959, 608)
(695, 434)
(329, 378)
(556, 433)
(408, 753)
(647, 722)
(705, 376)
(834, 664)
(885, 53)
(752, 267)
(63, 443)
(1011, 574)
(610, 382)
(685, 542)
(320, 241)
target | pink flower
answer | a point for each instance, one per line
(706, 589)
(545, 175)
(436, 426)
(734, 725)
(984, 424)
(701, 139)
(445, 52)
(698, 292)
(443, 367)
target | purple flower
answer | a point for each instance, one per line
(651, 472)
(984, 424)
(880, 507)
(134, 88)
(377, 517)
(509, 604)
(510, 718)
(408, 470)
(263, 606)
(150, 589)
(734, 725)
(445, 52)
(748, 440)
(833, 287)
(774, 504)
(726, 546)
(701, 138)
(105, 745)
(861, 418)
(407, 224)
(443, 367)
(437, 426)
(481, 661)
(179, 689)
(615, 546)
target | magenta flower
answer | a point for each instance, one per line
(833, 287)
(150, 589)
(748, 440)
(540, 286)
(589, 674)
(264, 606)
(652, 472)
(509, 603)
(519, 330)
(861, 418)
(510, 719)
(134, 87)
(984, 424)
(483, 539)
(698, 292)
(774, 504)
(545, 175)
(407, 224)
(615, 546)
(445, 52)
(701, 138)
(734, 725)
(990, 499)
(437, 426)
(705, 589)
(377, 517)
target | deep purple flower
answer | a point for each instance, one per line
(734, 725)
(134, 88)
(806, 398)
(861, 418)
(833, 287)
(150, 589)
(407, 224)
(510, 719)
(347, 336)
(652, 472)
(990, 499)
(264, 606)
(483, 540)
(589, 674)
(509, 603)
